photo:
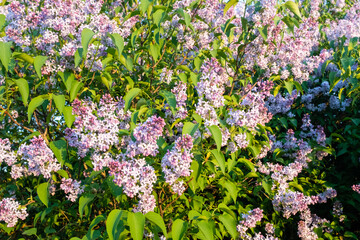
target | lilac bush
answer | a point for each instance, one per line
(179, 119)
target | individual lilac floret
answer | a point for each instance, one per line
(146, 135)
(6, 154)
(176, 163)
(38, 157)
(11, 211)
(137, 179)
(72, 188)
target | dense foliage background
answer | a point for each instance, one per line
(179, 119)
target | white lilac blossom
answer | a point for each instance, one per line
(72, 188)
(176, 163)
(11, 211)
(38, 158)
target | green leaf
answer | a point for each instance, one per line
(43, 193)
(23, 89)
(75, 88)
(23, 57)
(59, 102)
(267, 186)
(207, 229)
(29, 232)
(115, 224)
(2, 20)
(170, 99)
(158, 16)
(189, 128)
(219, 156)
(59, 148)
(86, 36)
(5, 54)
(63, 173)
(34, 103)
(39, 61)
(136, 222)
(144, 5)
(156, 219)
(229, 4)
(231, 187)
(264, 32)
(118, 42)
(179, 228)
(216, 134)
(289, 85)
(154, 51)
(130, 96)
(84, 201)
(68, 116)
(293, 7)
(230, 224)
(78, 57)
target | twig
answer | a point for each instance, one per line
(16, 122)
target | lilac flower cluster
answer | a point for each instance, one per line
(249, 220)
(180, 94)
(97, 131)
(212, 82)
(72, 188)
(146, 135)
(283, 51)
(38, 158)
(11, 211)
(307, 225)
(348, 27)
(6, 154)
(291, 202)
(176, 163)
(137, 179)
(55, 27)
(280, 104)
(254, 110)
(323, 90)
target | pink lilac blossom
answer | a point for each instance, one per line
(72, 188)
(180, 94)
(176, 163)
(49, 23)
(137, 179)
(241, 140)
(11, 211)
(97, 131)
(146, 135)
(249, 220)
(254, 111)
(38, 157)
(212, 82)
(356, 188)
(6, 154)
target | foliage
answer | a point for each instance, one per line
(179, 119)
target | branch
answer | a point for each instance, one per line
(16, 122)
